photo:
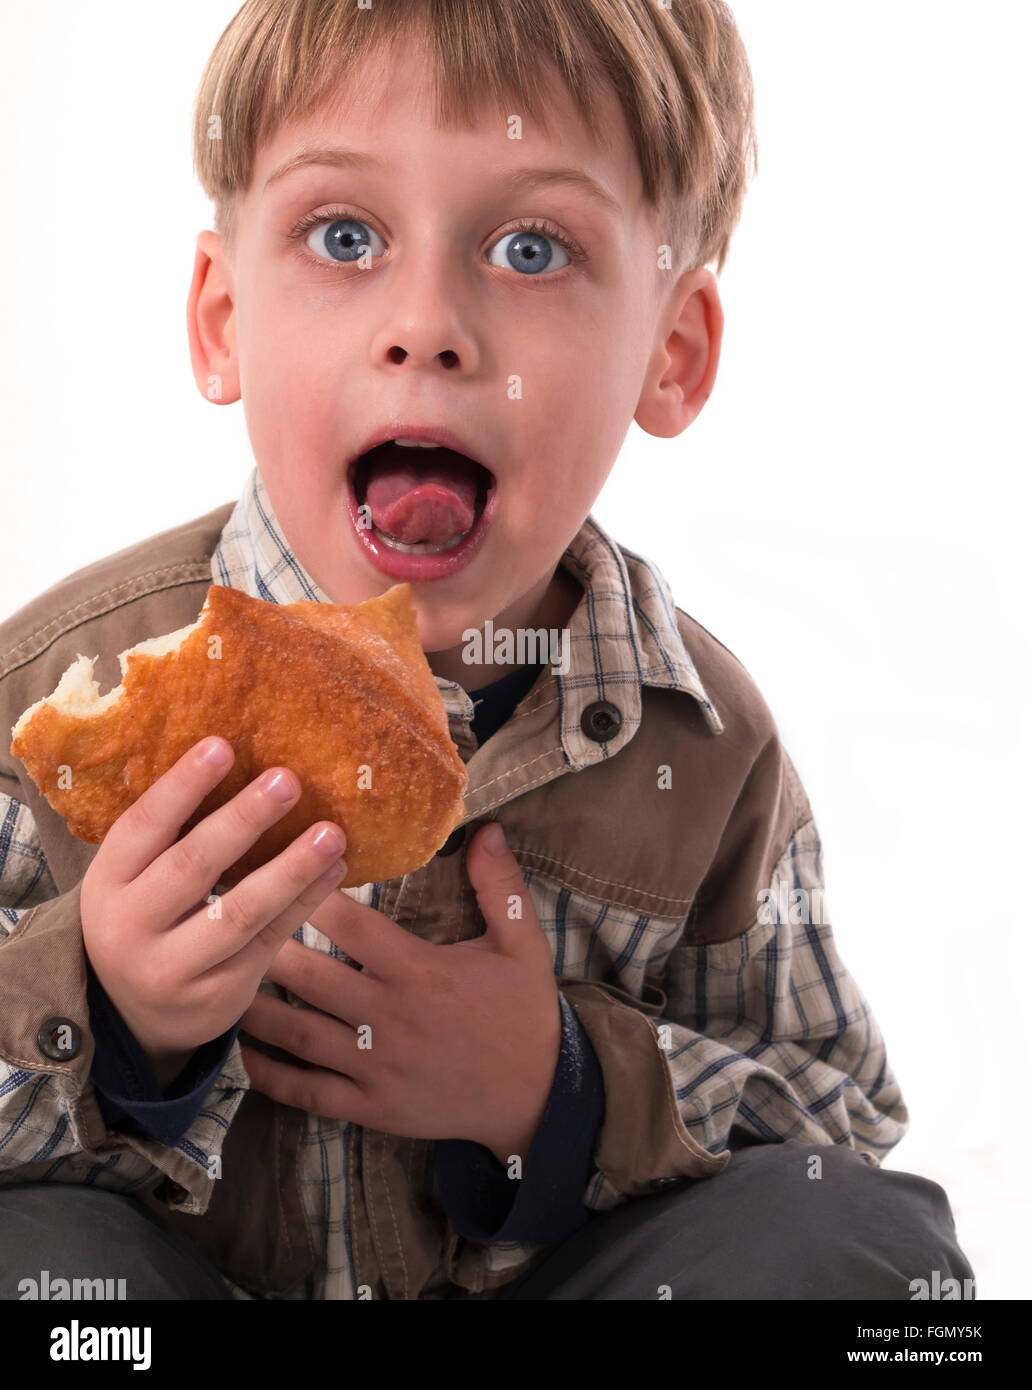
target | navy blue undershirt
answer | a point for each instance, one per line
(492, 704)
(482, 1201)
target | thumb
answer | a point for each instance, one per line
(498, 883)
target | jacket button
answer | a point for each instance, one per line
(454, 841)
(60, 1039)
(601, 721)
(659, 1184)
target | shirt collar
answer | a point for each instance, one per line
(623, 634)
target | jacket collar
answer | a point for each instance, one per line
(623, 635)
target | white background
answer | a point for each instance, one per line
(847, 514)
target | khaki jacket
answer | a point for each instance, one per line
(649, 851)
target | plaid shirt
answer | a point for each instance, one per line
(766, 1032)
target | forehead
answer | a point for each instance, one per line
(384, 111)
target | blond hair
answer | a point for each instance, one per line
(679, 71)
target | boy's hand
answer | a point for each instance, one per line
(425, 1041)
(181, 970)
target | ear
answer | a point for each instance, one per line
(211, 323)
(683, 366)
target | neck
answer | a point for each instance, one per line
(550, 604)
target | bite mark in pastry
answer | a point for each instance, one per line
(343, 696)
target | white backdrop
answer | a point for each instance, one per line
(846, 514)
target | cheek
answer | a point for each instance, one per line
(283, 347)
(293, 406)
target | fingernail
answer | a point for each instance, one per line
(335, 871)
(328, 841)
(280, 786)
(214, 752)
(494, 838)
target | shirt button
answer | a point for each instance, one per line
(601, 721)
(454, 841)
(60, 1039)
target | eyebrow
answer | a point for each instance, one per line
(338, 157)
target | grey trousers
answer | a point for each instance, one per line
(762, 1229)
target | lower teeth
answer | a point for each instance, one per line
(423, 547)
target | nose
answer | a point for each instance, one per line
(398, 354)
(426, 315)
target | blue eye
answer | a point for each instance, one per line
(345, 239)
(528, 252)
(532, 248)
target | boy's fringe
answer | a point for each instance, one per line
(681, 76)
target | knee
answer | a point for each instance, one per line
(781, 1221)
(107, 1241)
(844, 1228)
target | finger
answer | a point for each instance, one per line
(319, 1092)
(502, 895)
(309, 1034)
(381, 948)
(328, 984)
(250, 923)
(184, 874)
(155, 818)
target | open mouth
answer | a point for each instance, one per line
(422, 501)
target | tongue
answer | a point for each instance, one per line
(429, 499)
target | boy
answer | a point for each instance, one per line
(636, 991)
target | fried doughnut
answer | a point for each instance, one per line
(342, 696)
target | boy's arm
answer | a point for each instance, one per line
(51, 1124)
(488, 1204)
(766, 1032)
(128, 1093)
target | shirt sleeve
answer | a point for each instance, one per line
(128, 1093)
(770, 1032)
(766, 1033)
(25, 877)
(51, 1124)
(547, 1204)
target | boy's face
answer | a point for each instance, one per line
(539, 372)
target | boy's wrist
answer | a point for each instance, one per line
(514, 1144)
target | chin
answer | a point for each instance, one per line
(436, 635)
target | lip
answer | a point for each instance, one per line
(435, 434)
(419, 569)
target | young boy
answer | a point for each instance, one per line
(437, 227)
